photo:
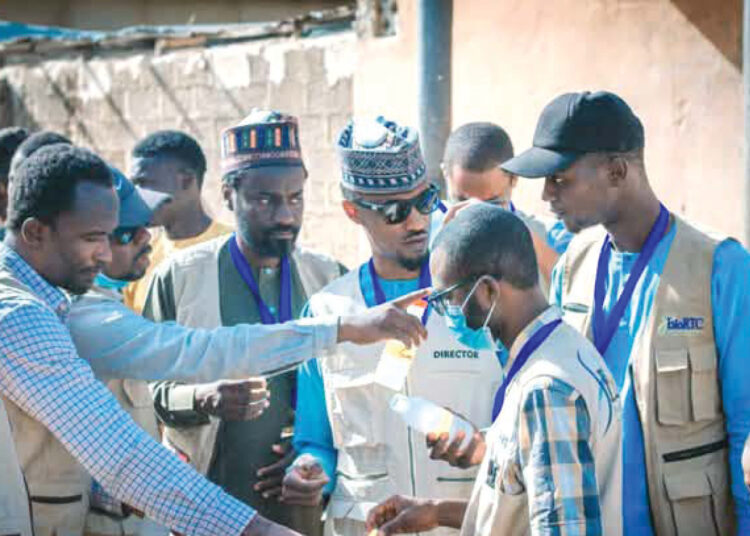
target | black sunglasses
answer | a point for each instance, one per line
(124, 235)
(397, 210)
(440, 300)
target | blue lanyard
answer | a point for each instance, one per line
(425, 280)
(246, 273)
(526, 350)
(605, 326)
(511, 207)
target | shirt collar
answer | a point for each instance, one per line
(49, 294)
(550, 314)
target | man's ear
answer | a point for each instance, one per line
(187, 178)
(489, 291)
(351, 211)
(617, 170)
(34, 233)
(226, 193)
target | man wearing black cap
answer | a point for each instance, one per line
(665, 304)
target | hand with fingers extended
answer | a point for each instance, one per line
(451, 451)
(387, 321)
(233, 400)
(456, 208)
(399, 515)
(271, 477)
(304, 482)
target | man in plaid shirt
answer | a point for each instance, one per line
(552, 462)
(62, 209)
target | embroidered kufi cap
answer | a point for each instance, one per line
(264, 138)
(379, 156)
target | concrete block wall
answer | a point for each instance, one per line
(109, 103)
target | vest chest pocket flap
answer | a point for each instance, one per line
(687, 385)
(700, 502)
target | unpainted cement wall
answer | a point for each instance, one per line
(108, 104)
(677, 62)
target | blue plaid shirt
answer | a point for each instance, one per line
(549, 455)
(41, 372)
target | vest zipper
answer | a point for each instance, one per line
(56, 500)
(411, 448)
(695, 452)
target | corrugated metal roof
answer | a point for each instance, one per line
(17, 38)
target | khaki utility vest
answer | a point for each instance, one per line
(15, 518)
(59, 486)
(195, 277)
(499, 504)
(378, 455)
(676, 382)
(15, 514)
(55, 481)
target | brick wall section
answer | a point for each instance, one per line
(109, 103)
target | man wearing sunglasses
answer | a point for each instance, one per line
(344, 427)
(258, 275)
(553, 457)
(118, 343)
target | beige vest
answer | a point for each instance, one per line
(499, 503)
(15, 518)
(15, 515)
(195, 277)
(676, 383)
(55, 481)
(378, 455)
(59, 486)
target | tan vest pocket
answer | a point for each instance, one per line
(697, 500)
(352, 420)
(672, 381)
(704, 384)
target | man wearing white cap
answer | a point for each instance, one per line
(343, 418)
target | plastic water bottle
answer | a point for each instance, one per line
(397, 358)
(427, 417)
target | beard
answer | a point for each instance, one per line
(264, 245)
(412, 263)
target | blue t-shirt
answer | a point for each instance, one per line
(312, 429)
(730, 295)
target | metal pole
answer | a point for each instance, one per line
(434, 52)
(746, 92)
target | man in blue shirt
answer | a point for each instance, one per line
(665, 304)
(349, 440)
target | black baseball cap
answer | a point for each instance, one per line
(137, 205)
(574, 124)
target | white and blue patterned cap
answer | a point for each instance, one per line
(379, 156)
